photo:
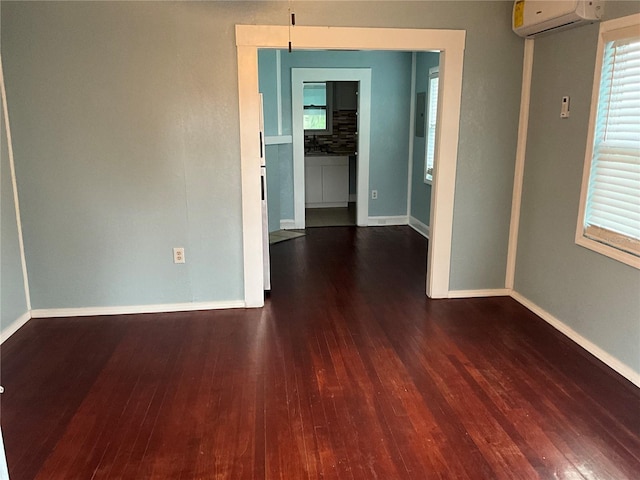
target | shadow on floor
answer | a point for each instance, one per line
(331, 217)
(282, 235)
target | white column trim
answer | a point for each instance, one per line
(14, 186)
(249, 105)
(521, 150)
(444, 178)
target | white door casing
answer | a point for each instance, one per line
(450, 44)
(298, 77)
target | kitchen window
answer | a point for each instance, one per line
(609, 218)
(318, 111)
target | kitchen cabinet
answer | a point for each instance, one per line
(326, 181)
(345, 96)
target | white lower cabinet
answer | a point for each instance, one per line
(326, 181)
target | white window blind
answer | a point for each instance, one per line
(612, 213)
(317, 107)
(431, 123)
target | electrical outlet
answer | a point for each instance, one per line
(374, 194)
(178, 255)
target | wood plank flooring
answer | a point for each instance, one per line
(349, 372)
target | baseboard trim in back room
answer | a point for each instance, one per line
(419, 227)
(287, 224)
(488, 292)
(382, 221)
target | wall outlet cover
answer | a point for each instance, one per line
(178, 255)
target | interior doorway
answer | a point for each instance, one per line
(451, 43)
(300, 77)
(330, 153)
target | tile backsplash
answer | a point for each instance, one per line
(345, 125)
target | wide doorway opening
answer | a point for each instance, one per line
(450, 44)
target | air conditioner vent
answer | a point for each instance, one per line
(537, 17)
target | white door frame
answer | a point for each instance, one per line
(450, 44)
(298, 77)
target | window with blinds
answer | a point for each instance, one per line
(611, 205)
(432, 114)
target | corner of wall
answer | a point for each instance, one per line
(14, 326)
(608, 359)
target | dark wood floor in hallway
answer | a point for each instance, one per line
(349, 372)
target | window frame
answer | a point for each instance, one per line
(434, 72)
(328, 110)
(607, 32)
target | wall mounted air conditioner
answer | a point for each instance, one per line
(536, 17)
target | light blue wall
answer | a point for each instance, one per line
(13, 298)
(267, 83)
(278, 157)
(420, 191)
(126, 146)
(594, 295)
(285, 163)
(491, 85)
(390, 102)
(126, 132)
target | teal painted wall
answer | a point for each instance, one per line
(390, 103)
(596, 296)
(126, 146)
(13, 298)
(420, 191)
(126, 133)
(267, 83)
(278, 157)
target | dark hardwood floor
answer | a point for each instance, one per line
(349, 372)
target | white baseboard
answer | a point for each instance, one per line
(388, 220)
(488, 292)
(134, 309)
(327, 205)
(620, 367)
(15, 325)
(419, 227)
(287, 224)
